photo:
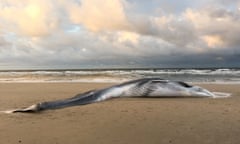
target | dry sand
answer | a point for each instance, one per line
(119, 121)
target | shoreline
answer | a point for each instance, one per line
(118, 121)
(208, 75)
(111, 82)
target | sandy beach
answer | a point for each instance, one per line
(118, 121)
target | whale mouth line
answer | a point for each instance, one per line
(221, 95)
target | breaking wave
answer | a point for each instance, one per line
(188, 75)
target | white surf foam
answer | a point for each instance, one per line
(188, 75)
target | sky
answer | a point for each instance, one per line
(119, 33)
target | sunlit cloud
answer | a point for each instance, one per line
(89, 32)
(98, 15)
(213, 41)
(128, 37)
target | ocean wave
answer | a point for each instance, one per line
(188, 75)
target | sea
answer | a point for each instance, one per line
(192, 75)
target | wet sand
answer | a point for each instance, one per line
(118, 121)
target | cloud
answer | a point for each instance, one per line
(218, 27)
(3, 42)
(125, 36)
(93, 32)
(97, 15)
(43, 17)
(194, 30)
(31, 18)
(213, 41)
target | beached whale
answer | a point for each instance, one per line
(147, 87)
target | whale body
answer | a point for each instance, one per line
(147, 87)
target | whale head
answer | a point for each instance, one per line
(199, 91)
